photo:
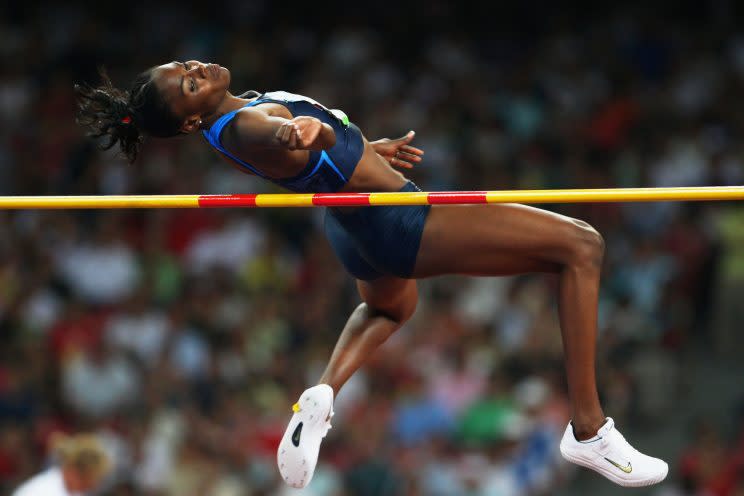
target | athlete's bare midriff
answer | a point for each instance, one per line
(373, 173)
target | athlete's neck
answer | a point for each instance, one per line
(228, 104)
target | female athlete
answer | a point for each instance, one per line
(302, 146)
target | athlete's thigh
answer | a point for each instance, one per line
(501, 239)
(391, 295)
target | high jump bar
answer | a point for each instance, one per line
(704, 193)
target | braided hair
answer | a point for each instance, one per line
(125, 117)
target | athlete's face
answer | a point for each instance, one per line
(193, 89)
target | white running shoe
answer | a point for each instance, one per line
(300, 446)
(609, 454)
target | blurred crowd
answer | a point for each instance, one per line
(182, 337)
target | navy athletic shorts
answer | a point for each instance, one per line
(376, 241)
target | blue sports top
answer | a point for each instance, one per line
(326, 171)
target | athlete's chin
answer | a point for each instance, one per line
(225, 76)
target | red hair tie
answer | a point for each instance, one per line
(126, 120)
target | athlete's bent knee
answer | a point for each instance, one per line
(397, 302)
(588, 245)
(399, 312)
(406, 309)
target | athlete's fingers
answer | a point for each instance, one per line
(293, 137)
(397, 162)
(408, 137)
(409, 157)
(412, 149)
(291, 130)
(280, 134)
(285, 129)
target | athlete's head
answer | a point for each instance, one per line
(163, 101)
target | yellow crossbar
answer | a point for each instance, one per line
(371, 199)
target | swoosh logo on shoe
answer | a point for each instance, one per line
(296, 435)
(627, 469)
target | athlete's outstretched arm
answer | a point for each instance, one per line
(254, 129)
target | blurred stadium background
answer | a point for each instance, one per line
(183, 337)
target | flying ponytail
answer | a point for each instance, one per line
(125, 117)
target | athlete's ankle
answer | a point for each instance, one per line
(586, 427)
(333, 385)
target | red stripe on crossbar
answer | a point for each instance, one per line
(453, 197)
(341, 199)
(211, 201)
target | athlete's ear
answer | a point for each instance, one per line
(191, 124)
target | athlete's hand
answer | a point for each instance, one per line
(299, 133)
(398, 152)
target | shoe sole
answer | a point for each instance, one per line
(610, 475)
(311, 420)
